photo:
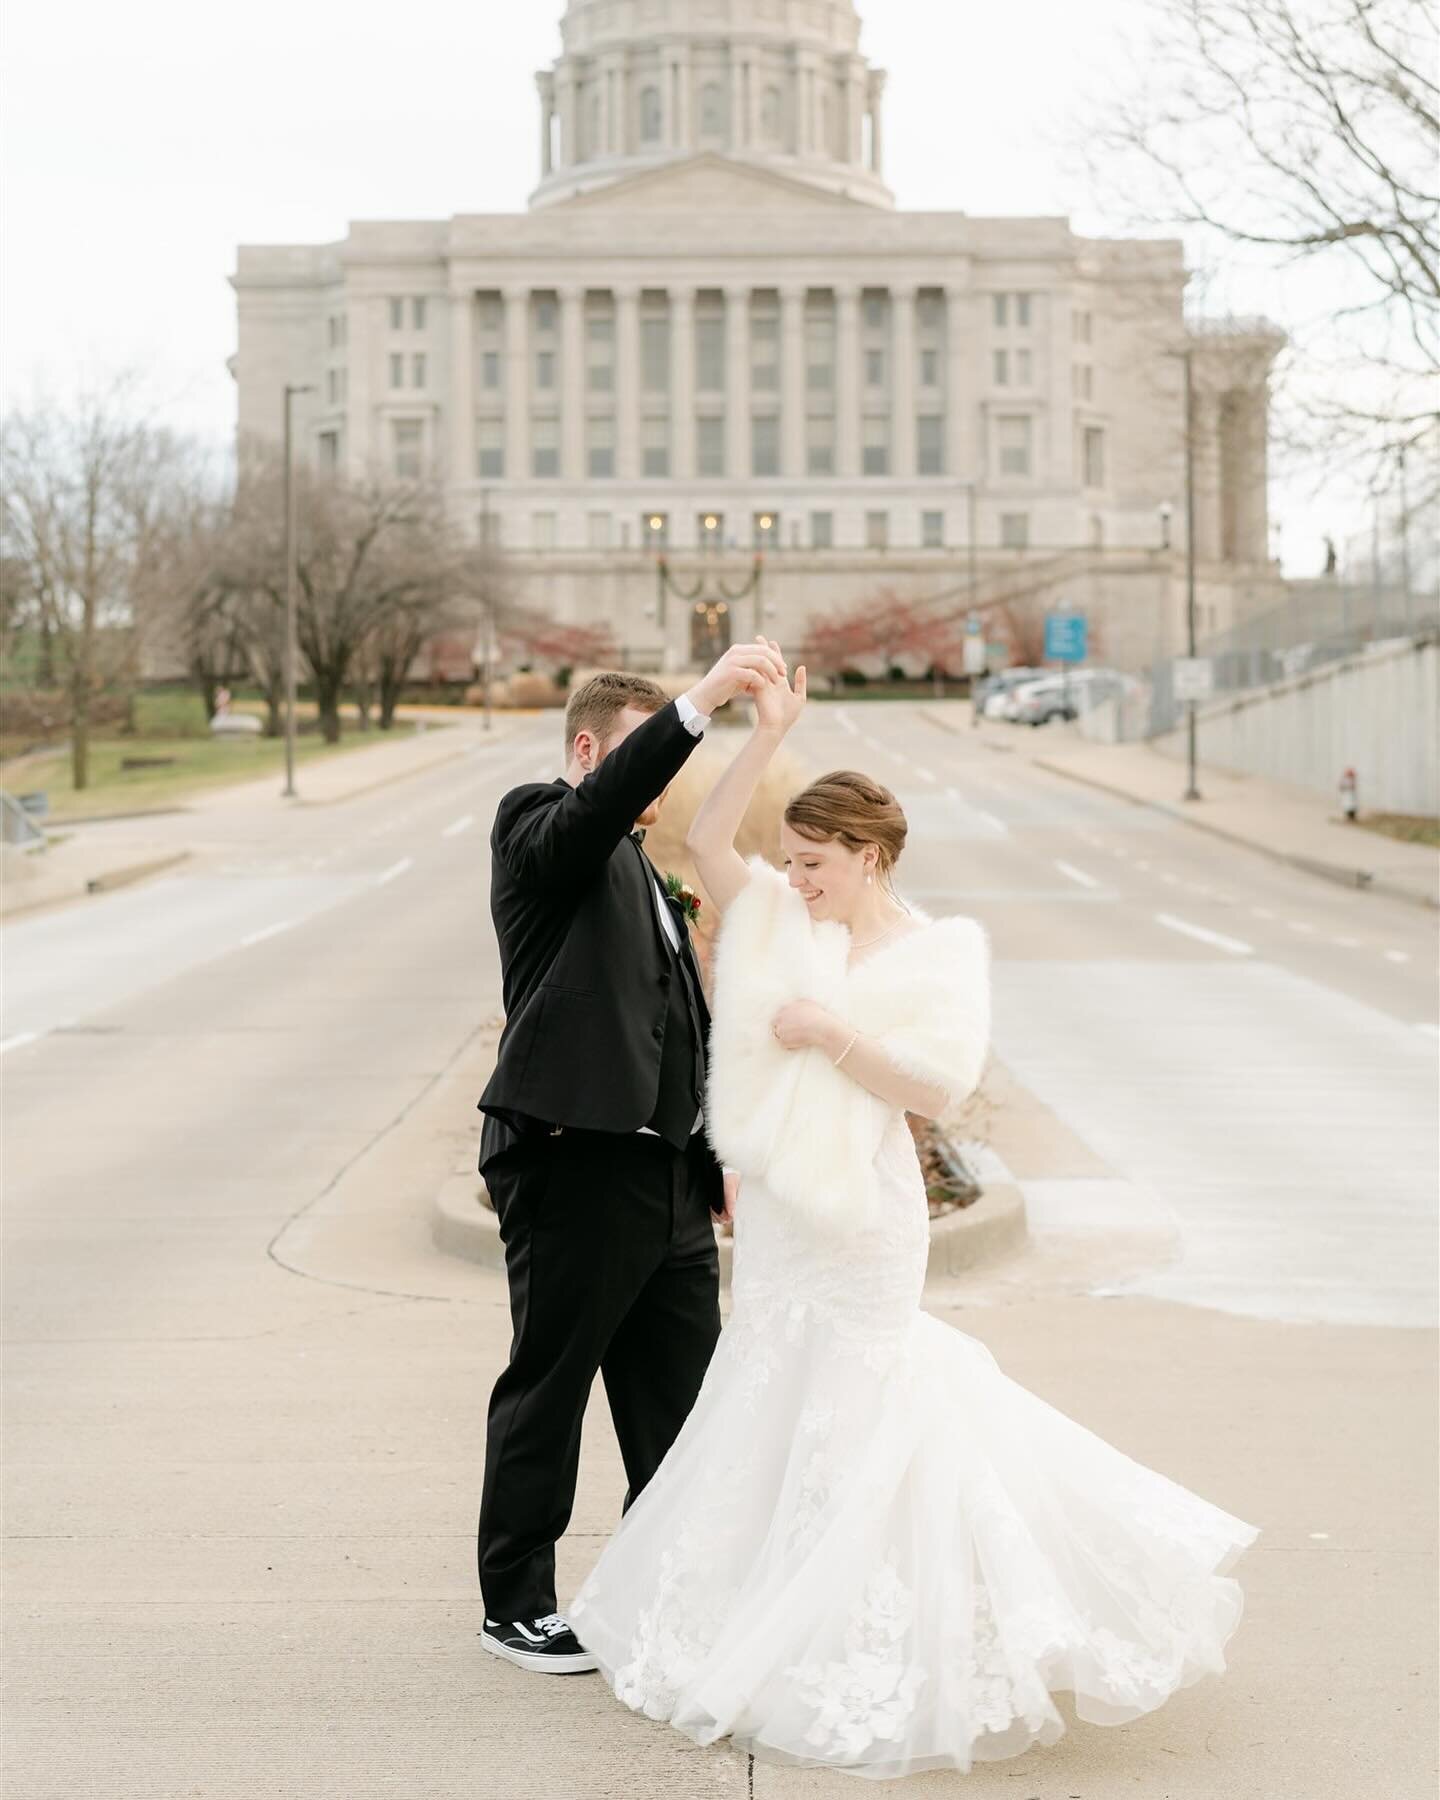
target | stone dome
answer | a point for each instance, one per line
(775, 83)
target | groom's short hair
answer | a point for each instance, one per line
(597, 703)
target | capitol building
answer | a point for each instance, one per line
(714, 346)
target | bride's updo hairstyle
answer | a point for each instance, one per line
(848, 807)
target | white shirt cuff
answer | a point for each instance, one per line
(691, 717)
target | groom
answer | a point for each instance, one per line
(592, 1147)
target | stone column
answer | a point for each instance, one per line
(737, 102)
(517, 384)
(854, 112)
(360, 372)
(462, 387)
(877, 90)
(569, 118)
(572, 383)
(902, 386)
(545, 81)
(682, 137)
(960, 352)
(604, 77)
(737, 382)
(792, 382)
(847, 381)
(627, 383)
(682, 383)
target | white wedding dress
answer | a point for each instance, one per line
(870, 1549)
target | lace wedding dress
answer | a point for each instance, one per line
(869, 1548)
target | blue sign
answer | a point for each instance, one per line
(1065, 635)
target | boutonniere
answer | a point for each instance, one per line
(684, 893)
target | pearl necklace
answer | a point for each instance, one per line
(865, 943)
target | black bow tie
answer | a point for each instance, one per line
(638, 834)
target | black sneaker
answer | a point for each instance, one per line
(546, 1643)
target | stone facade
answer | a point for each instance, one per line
(713, 334)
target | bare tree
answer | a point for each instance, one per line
(90, 497)
(1303, 135)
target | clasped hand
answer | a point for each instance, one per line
(802, 1024)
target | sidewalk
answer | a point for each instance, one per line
(1290, 824)
(94, 855)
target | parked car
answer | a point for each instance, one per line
(992, 691)
(1038, 702)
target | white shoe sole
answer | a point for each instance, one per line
(543, 1665)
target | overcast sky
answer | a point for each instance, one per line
(142, 142)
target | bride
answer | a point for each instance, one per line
(868, 1548)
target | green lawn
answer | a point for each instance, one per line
(1410, 828)
(192, 762)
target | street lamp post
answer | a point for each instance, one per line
(291, 389)
(1192, 788)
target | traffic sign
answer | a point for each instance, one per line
(1065, 637)
(975, 655)
(1194, 677)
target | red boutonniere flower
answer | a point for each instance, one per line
(684, 893)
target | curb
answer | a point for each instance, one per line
(1340, 873)
(959, 1241)
(97, 884)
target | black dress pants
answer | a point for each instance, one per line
(610, 1251)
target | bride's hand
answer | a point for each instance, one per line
(801, 1023)
(778, 705)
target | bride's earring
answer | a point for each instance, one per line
(869, 880)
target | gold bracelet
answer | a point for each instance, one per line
(848, 1048)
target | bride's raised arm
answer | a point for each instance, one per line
(711, 837)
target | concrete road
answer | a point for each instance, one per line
(246, 1397)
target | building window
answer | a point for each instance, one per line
(875, 441)
(765, 445)
(820, 345)
(1023, 368)
(1015, 531)
(397, 315)
(877, 530)
(1022, 312)
(1000, 367)
(710, 446)
(545, 312)
(820, 445)
(655, 446)
(765, 527)
(1082, 325)
(417, 371)
(417, 314)
(874, 368)
(397, 371)
(822, 530)
(332, 325)
(655, 355)
(600, 353)
(544, 368)
(545, 447)
(597, 530)
(492, 313)
(1012, 441)
(490, 369)
(542, 530)
(407, 442)
(649, 115)
(709, 350)
(712, 110)
(1094, 456)
(770, 115)
(600, 448)
(710, 530)
(929, 368)
(1000, 310)
(488, 532)
(876, 311)
(1084, 377)
(655, 530)
(932, 530)
(930, 444)
(765, 351)
(329, 451)
(490, 447)
(332, 386)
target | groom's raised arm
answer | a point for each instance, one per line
(542, 841)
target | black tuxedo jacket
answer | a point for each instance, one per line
(585, 965)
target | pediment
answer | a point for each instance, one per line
(709, 183)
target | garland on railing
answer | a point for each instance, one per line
(666, 584)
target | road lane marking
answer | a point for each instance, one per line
(845, 722)
(1397, 956)
(1262, 912)
(399, 868)
(1174, 880)
(1218, 938)
(259, 937)
(1346, 943)
(20, 1038)
(1142, 864)
(1300, 925)
(925, 774)
(1075, 874)
(998, 826)
(456, 826)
